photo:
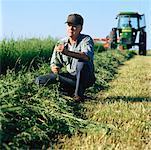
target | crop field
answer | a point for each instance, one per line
(34, 117)
(122, 112)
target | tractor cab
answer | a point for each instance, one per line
(133, 20)
(130, 25)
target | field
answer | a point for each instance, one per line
(35, 117)
(122, 112)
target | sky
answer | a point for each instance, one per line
(43, 18)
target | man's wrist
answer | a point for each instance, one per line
(65, 52)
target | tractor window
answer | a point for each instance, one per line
(127, 21)
(142, 21)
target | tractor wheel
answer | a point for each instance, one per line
(142, 43)
(113, 39)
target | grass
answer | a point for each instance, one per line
(30, 53)
(35, 117)
(27, 52)
(121, 112)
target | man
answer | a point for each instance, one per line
(76, 54)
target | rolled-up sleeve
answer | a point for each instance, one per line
(55, 59)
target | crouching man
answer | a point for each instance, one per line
(75, 52)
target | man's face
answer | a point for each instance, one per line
(73, 30)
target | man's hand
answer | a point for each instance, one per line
(79, 55)
(60, 48)
(55, 69)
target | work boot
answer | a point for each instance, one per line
(78, 99)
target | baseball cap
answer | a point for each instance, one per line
(75, 19)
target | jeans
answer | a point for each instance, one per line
(76, 85)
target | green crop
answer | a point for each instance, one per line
(27, 52)
(34, 117)
(30, 53)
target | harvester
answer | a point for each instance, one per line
(130, 32)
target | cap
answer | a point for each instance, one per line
(75, 19)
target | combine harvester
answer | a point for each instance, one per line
(130, 31)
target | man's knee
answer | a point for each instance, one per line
(41, 80)
(44, 80)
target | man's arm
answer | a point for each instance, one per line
(79, 55)
(55, 63)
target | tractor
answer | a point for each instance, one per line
(130, 32)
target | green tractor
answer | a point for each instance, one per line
(130, 32)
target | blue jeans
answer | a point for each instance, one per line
(76, 85)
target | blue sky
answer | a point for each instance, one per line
(43, 18)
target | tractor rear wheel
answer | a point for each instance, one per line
(142, 43)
